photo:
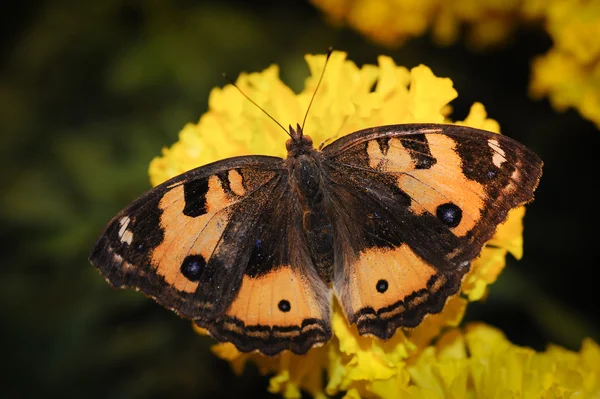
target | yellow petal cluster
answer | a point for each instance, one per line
(480, 362)
(392, 22)
(350, 98)
(569, 74)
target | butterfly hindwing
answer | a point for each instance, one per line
(282, 303)
(429, 196)
(208, 245)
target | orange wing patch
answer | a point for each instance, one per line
(382, 277)
(282, 298)
(396, 159)
(184, 235)
(236, 182)
(197, 234)
(281, 310)
(390, 288)
(216, 197)
(444, 182)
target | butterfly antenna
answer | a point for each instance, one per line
(253, 102)
(329, 51)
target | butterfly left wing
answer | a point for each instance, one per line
(430, 196)
(214, 245)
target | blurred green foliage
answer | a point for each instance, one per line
(91, 91)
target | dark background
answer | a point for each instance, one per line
(90, 93)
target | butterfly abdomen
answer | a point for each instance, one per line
(307, 178)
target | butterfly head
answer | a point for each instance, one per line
(298, 144)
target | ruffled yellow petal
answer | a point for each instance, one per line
(345, 102)
(486, 269)
(569, 74)
(387, 389)
(364, 358)
(574, 27)
(233, 125)
(227, 351)
(482, 363)
(296, 372)
(432, 325)
(352, 394)
(392, 22)
(478, 119)
(509, 235)
(426, 105)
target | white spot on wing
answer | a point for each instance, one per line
(499, 155)
(125, 234)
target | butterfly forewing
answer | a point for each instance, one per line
(414, 205)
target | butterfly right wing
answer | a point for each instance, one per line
(414, 204)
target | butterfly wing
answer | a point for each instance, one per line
(212, 244)
(429, 196)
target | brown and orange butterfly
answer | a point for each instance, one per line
(387, 219)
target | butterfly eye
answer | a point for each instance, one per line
(381, 286)
(192, 267)
(284, 305)
(449, 214)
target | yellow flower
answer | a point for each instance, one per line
(345, 103)
(569, 74)
(482, 363)
(487, 22)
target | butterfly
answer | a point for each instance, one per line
(386, 219)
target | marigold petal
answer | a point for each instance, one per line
(451, 345)
(573, 26)
(281, 383)
(389, 388)
(432, 325)
(227, 351)
(429, 94)
(352, 394)
(478, 119)
(509, 234)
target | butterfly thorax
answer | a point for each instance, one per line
(306, 180)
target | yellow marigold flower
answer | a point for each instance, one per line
(487, 22)
(569, 74)
(345, 103)
(482, 363)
